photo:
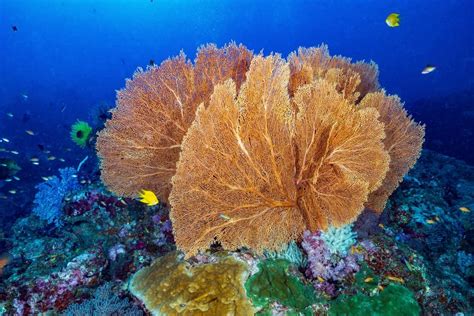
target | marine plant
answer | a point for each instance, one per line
(80, 133)
(267, 147)
(171, 286)
(274, 283)
(49, 198)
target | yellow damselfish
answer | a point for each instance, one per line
(464, 209)
(148, 197)
(393, 20)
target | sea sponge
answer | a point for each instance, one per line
(254, 174)
(173, 287)
(140, 145)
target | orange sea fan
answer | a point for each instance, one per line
(403, 141)
(252, 174)
(140, 145)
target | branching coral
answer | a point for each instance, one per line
(267, 147)
(141, 143)
(173, 287)
(276, 173)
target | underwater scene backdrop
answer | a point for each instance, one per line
(236, 157)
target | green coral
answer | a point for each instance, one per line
(273, 283)
(173, 287)
(339, 239)
(80, 133)
(394, 300)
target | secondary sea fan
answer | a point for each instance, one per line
(264, 151)
(141, 143)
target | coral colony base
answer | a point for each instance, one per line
(272, 175)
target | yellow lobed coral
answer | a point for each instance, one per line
(173, 287)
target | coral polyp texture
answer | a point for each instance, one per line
(258, 149)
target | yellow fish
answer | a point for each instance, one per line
(428, 69)
(149, 198)
(396, 279)
(393, 20)
(369, 279)
(430, 221)
(464, 209)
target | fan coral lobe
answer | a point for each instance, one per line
(141, 143)
(254, 150)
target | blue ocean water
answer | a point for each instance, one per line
(63, 61)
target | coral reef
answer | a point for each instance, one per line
(173, 287)
(141, 143)
(274, 284)
(51, 193)
(104, 303)
(289, 146)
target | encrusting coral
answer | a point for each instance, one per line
(173, 287)
(267, 147)
(140, 145)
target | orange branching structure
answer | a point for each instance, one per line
(267, 147)
(140, 145)
(252, 173)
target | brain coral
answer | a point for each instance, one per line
(267, 147)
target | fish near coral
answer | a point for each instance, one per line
(148, 197)
(3, 262)
(393, 20)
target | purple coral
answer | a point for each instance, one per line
(325, 266)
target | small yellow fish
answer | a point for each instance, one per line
(381, 225)
(395, 279)
(148, 197)
(393, 20)
(430, 221)
(30, 132)
(320, 279)
(369, 279)
(428, 69)
(464, 209)
(224, 217)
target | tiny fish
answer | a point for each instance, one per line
(428, 69)
(30, 132)
(393, 20)
(148, 197)
(151, 62)
(369, 279)
(51, 158)
(62, 160)
(14, 152)
(123, 202)
(35, 163)
(8, 180)
(16, 178)
(24, 96)
(380, 288)
(381, 225)
(34, 159)
(464, 209)
(224, 217)
(430, 221)
(6, 140)
(12, 191)
(14, 28)
(395, 279)
(3, 262)
(320, 279)
(83, 182)
(45, 178)
(10, 114)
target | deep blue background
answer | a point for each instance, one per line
(69, 56)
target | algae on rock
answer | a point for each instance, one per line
(171, 286)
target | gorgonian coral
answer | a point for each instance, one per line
(140, 145)
(267, 147)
